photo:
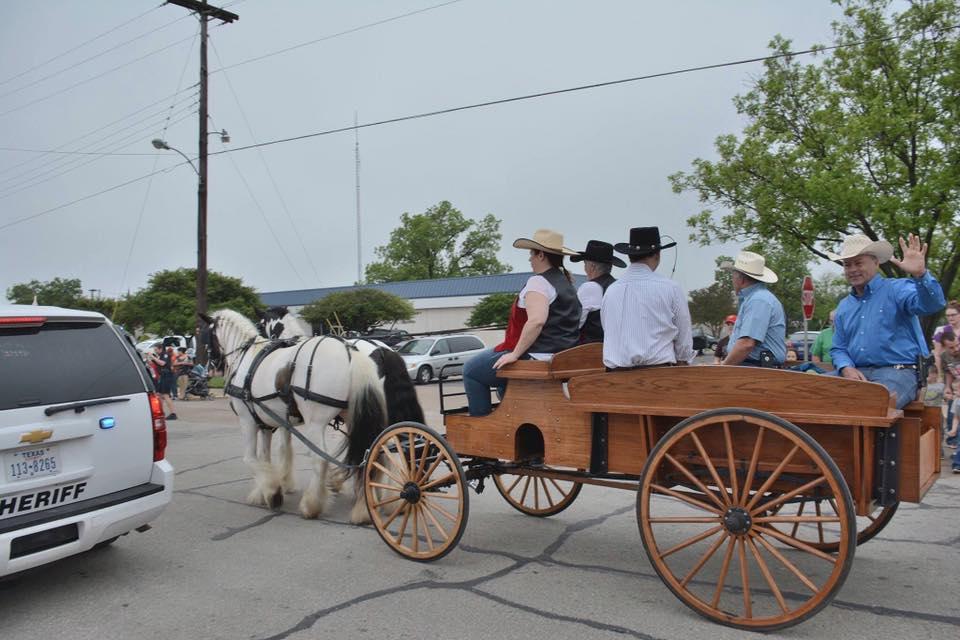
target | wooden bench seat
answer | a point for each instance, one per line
(578, 361)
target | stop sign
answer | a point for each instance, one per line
(806, 297)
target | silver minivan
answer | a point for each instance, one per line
(425, 357)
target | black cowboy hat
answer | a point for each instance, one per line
(644, 241)
(598, 251)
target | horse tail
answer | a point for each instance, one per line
(367, 411)
(402, 402)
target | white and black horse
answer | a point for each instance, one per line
(323, 378)
(277, 323)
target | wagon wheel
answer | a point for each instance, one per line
(822, 535)
(415, 491)
(535, 495)
(692, 505)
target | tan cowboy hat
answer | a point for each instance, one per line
(753, 265)
(858, 245)
(545, 240)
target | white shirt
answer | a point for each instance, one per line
(646, 320)
(542, 286)
(590, 294)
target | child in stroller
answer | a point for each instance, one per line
(197, 382)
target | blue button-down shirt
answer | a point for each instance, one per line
(761, 317)
(881, 328)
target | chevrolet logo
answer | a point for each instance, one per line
(35, 437)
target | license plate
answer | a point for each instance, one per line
(31, 463)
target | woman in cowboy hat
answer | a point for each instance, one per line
(546, 312)
(759, 334)
(876, 333)
(598, 261)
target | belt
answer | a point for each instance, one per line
(904, 366)
(643, 366)
(756, 363)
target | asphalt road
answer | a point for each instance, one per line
(214, 567)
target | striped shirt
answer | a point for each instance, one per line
(646, 320)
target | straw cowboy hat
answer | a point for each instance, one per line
(753, 265)
(546, 240)
(858, 245)
(599, 251)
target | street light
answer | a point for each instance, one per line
(201, 349)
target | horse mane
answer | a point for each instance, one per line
(235, 323)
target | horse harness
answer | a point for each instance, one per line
(287, 390)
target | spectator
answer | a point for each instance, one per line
(950, 365)
(723, 345)
(162, 360)
(820, 351)
(182, 364)
(953, 323)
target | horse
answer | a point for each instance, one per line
(278, 323)
(324, 378)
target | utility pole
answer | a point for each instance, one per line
(356, 155)
(204, 13)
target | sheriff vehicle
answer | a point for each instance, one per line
(82, 436)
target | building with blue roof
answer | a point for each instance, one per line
(442, 304)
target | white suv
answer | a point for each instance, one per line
(82, 436)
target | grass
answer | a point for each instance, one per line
(215, 382)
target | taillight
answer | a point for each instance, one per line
(22, 321)
(159, 428)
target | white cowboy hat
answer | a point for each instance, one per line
(753, 265)
(545, 240)
(860, 244)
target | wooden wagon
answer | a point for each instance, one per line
(754, 486)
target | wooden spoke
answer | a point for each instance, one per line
(388, 473)
(797, 544)
(767, 506)
(441, 480)
(767, 575)
(433, 467)
(403, 525)
(411, 452)
(386, 487)
(723, 571)
(683, 519)
(816, 506)
(436, 507)
(387, 501)
(793, 532)
(797, 519)
(745, 579)
(679, 496)
(425, 508)
(731, 464)
(754, 459)
(414, 534)
(689, 541)
(789, 565)
(773, 477)
(703, 560)
(394, 514)
(713, 471)
(547, 497)
(437, 494)
(397, 459)
(422, 463)
(696, 481)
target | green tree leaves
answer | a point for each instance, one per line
(439, 243)
(493, 309)
(357, 310)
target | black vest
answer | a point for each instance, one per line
(561, 330)
(592, 330)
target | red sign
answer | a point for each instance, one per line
(806, 297)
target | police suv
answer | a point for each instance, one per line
(82, 436)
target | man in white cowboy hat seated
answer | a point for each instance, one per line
(645, 317)
(759, 334)
(598, 262)
(876, 334)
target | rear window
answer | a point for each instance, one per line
(64, 362)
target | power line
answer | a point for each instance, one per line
(336, 35)
(76, 153)
(544, 94)
(90, 58)
(80, 46)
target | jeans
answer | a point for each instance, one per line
(903, 382)
(478, 377)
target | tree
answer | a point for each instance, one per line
(864, 142)
(59, 292)
(358, 310)
(493, 309)
(712, 304)
(439, 243)
(168, 304)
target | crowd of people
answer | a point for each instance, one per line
(172, 370)
(643, 318)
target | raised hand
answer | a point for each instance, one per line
(914, 252)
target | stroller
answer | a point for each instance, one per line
(197, 382)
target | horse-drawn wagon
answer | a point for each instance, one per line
(754, 486)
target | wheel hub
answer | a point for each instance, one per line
(737, 521)
(411, 492)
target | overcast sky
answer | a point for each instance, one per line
(590, 164)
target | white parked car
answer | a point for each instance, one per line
(425, 357)
(82, 436)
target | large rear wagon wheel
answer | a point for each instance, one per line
(824, 535)
(705, 510)
(416, 491)
(535, 495)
